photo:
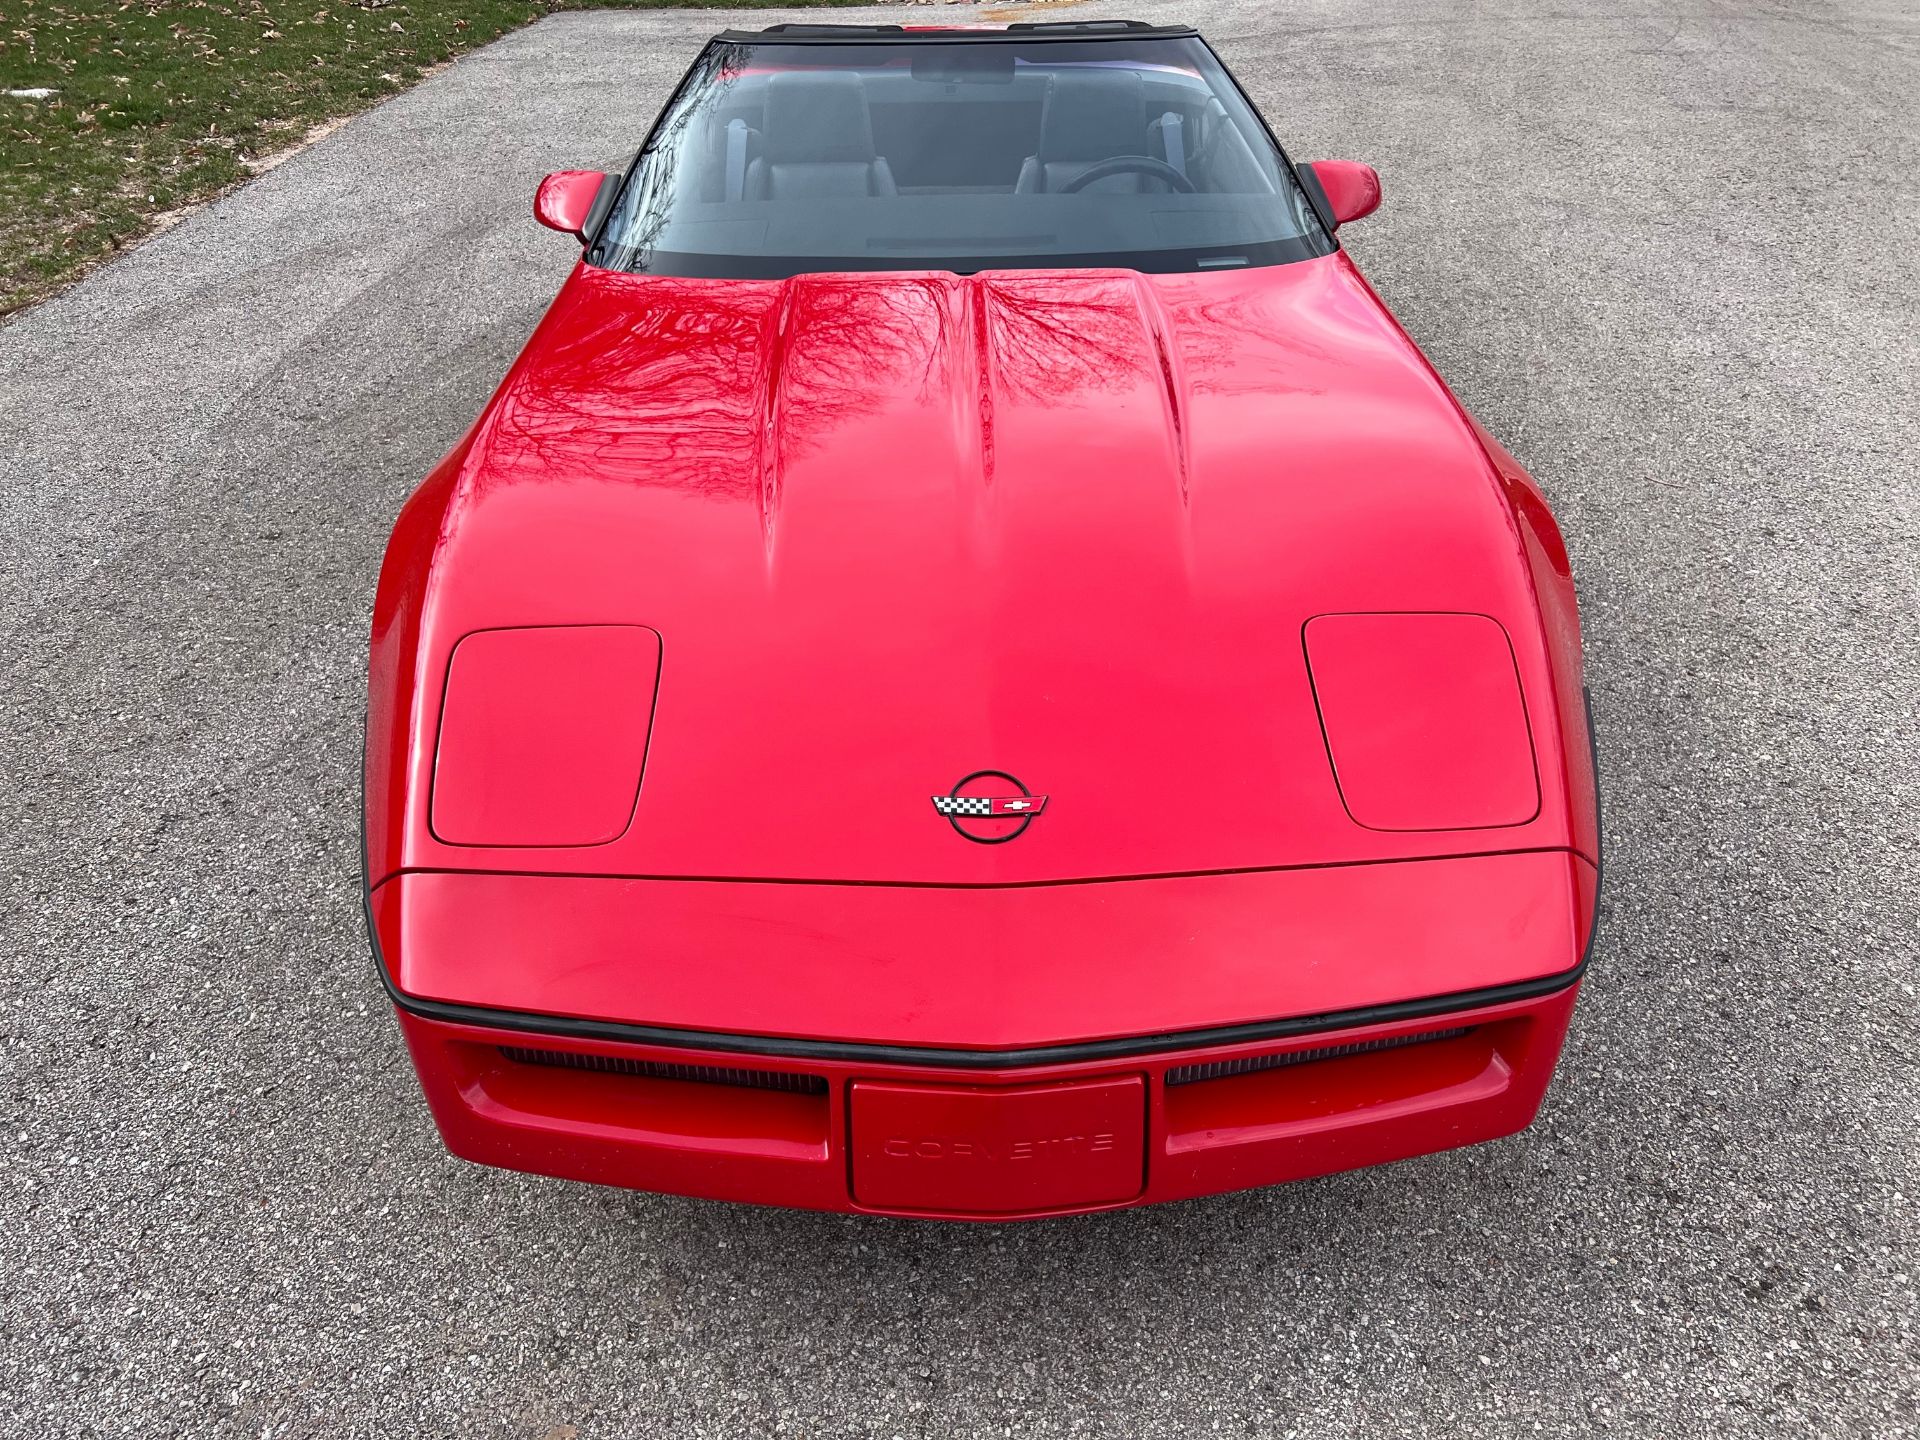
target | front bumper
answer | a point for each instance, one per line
(992, 1053)
(986, 1144)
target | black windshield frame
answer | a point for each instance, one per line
(1315, 239)
(1028, 32)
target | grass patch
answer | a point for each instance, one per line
(155, 104)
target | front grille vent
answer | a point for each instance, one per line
(1222, 1069)
(660, 1070)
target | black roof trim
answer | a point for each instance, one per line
(1103, 27)
(807, 28)
(827, 33)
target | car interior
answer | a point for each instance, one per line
(798, 134)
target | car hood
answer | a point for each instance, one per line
(896, 528)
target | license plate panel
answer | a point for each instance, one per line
(998, 1150)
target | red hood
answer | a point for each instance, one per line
(894, 528)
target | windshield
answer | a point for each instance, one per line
(778, 158)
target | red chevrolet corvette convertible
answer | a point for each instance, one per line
(971, 669)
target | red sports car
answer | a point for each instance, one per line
(971, 669)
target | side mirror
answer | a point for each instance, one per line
(1342, 190)
(574, 201)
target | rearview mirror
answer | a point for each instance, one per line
(1341, 190)
(574, 201)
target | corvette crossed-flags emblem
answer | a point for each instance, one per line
(982, 806)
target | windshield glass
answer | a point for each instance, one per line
(777, 158)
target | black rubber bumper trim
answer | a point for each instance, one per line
(934, 1057)
(777, 1047)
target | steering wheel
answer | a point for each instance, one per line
(1127, 165)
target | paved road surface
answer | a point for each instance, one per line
(1673, 257)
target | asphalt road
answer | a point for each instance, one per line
(1673, 258)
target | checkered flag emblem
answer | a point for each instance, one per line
(1013, 807)
(962, 805)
